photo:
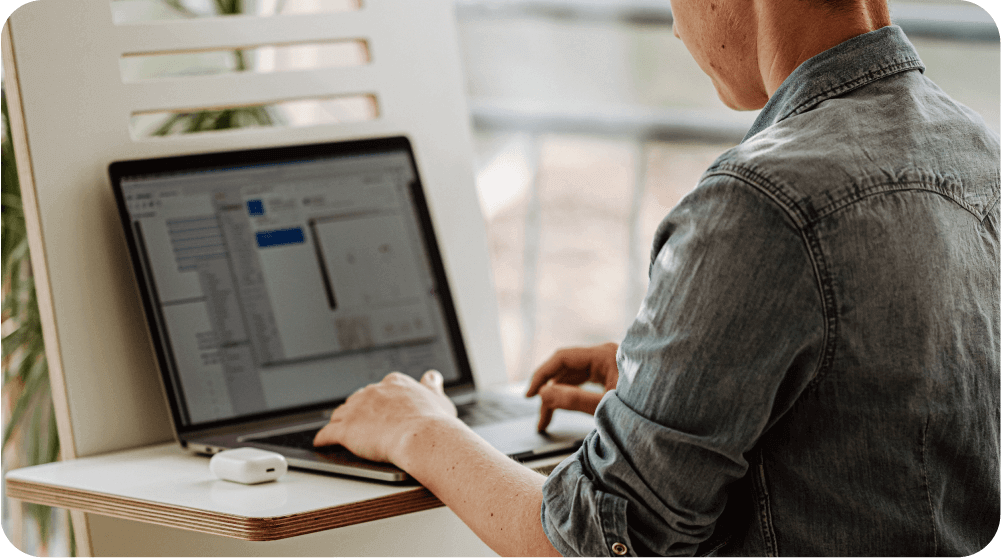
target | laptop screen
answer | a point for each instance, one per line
(287, 278)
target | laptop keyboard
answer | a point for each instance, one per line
(483, 411)
(302, 439)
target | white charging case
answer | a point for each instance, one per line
(248, 465)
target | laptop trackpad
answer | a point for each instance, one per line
(518, 438)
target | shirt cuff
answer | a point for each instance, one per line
(581, 520)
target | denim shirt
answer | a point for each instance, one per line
(815, 367)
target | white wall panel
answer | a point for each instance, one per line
(63, 61)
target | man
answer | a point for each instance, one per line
(814, 369)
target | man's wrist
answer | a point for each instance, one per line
(419, 438)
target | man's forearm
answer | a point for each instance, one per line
(499, 499)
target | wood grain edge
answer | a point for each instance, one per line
(228, 525)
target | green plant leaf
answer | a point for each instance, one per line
(13, 341)
(34, 363)
(37, 449)
(53, 443)
(24, 347)
(164, 128)
(227, 7)
(199, 119)
(31, 443)
(12, 264)
(13, 231)
(16, 304)
(179, 6)
(12, 201)
(31, 390)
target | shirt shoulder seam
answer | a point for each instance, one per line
(760, 182)
(902, 186)
(806, 217)
(990, 206)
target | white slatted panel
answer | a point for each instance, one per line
(77, 110)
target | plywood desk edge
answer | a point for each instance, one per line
(406, 500)
(85, 485)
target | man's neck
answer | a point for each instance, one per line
(791, 32)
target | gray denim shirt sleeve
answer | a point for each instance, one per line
(730, 332)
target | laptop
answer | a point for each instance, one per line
(276, 282)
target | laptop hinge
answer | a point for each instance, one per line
(461, 395)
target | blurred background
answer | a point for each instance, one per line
(590, 122)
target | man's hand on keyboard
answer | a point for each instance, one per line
(374, 421)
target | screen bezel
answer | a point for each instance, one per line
(121, 170)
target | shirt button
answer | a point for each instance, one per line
(619, 549)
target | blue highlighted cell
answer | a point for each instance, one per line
(255, 207)
(280, 237)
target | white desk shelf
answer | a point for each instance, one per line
(165, 485)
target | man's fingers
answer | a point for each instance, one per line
(544, 373)
(575, 366)
(562, 361)
(329, 434)
(559, 396)
(545, 417)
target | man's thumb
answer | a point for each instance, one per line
(434, 381)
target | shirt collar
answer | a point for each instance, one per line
(850, 65)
